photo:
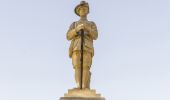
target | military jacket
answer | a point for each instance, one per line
(89, 36)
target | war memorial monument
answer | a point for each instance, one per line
(81, 34)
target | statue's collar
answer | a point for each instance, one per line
(83, 19)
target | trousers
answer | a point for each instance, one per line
(87, 61)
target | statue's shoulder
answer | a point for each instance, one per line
(72, 25)
(92, 22)
(73, 22)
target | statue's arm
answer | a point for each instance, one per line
(93, 31)
(71, 32)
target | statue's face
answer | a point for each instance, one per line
(83, 11)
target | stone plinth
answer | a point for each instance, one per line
(85, 94)
(81, 98)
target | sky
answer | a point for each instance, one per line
(132, 52)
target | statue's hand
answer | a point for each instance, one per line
(79, 27)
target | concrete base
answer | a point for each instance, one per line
(81, 98)
(84, 94)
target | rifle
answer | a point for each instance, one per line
(81, 59)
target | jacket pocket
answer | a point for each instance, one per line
(88, 43)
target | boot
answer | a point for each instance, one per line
(86, 79)
(78, 77)
(89, 80)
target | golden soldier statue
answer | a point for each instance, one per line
(90, 33)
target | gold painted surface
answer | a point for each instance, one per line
(90, 34)
(73, 35)
(81, 93)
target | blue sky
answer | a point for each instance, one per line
(132, 53)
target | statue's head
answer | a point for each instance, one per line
(82, 9)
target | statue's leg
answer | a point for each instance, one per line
(86, 78)
(89, 81)
(76, 63)
(78, 77)
(87, 60)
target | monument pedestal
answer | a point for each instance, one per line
(84, 94)
(81, 98)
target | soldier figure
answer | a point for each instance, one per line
(90, 34)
